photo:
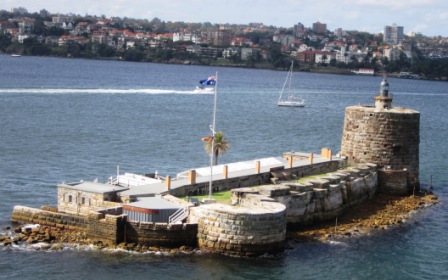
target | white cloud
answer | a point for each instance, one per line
(398, 3)
(419, 27)
(442, 15)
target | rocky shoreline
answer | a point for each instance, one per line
(380, 213)
(37, 237)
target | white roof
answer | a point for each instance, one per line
(237, 166)
(133, 180)
(92, 187)
(145, 190)
(153, 203)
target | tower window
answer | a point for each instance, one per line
(397, 149)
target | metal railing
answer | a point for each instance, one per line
(179, 215)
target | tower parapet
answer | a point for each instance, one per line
(387, 136)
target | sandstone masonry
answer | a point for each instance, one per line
(389, 138)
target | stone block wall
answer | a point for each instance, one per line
(388, 138)
(76, 202)
(318, 199)
(107, 229)
(110, 229)
(394, 181)
(23, 214)
(161, 234)
(326, 198)
(241, 231)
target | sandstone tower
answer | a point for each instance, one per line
(385, 135)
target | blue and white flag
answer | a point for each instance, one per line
(210, 81)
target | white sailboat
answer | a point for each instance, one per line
(286, 98)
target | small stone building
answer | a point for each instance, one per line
(83, 197)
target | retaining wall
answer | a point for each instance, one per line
(318, 199)
(327, 197)
(23, 214)
(161, 234)
(105, 228)
(241, 231)
(110, 229)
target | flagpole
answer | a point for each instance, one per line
(212, 128)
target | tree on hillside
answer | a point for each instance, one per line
(220, 145)
(5, 41)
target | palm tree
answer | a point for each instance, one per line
(220, 146)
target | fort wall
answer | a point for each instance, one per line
(319, 199)
(254, 228)
(110, 229)
(326, 197)
(161, 234)
(23, 214)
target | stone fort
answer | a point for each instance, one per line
(379, 152)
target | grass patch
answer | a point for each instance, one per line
(221, 197)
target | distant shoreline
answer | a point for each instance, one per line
(318, 70)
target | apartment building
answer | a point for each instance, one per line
(393, 34)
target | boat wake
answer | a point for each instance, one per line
(101, 91)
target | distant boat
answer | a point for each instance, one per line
(408, 75)
(206, 85)
(364, 71)
(15, 55)
(286, 98)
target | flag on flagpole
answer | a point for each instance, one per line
(207, 139)
(210, 81)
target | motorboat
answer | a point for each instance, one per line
(206, 85)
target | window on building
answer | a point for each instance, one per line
(70, 198)
(83, 200)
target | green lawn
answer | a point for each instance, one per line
(224, 197)
(221, 197)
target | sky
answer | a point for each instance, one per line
(429, 17)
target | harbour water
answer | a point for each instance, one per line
(65, 120)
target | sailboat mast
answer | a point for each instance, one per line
(290, 77)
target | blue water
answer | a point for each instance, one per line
(64, 120)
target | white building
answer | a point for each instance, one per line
(343, 55)
(231, 51)
(391, 54)
(22, 37)
(325, 57)
(185, 37)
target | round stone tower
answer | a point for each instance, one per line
(387, 136)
